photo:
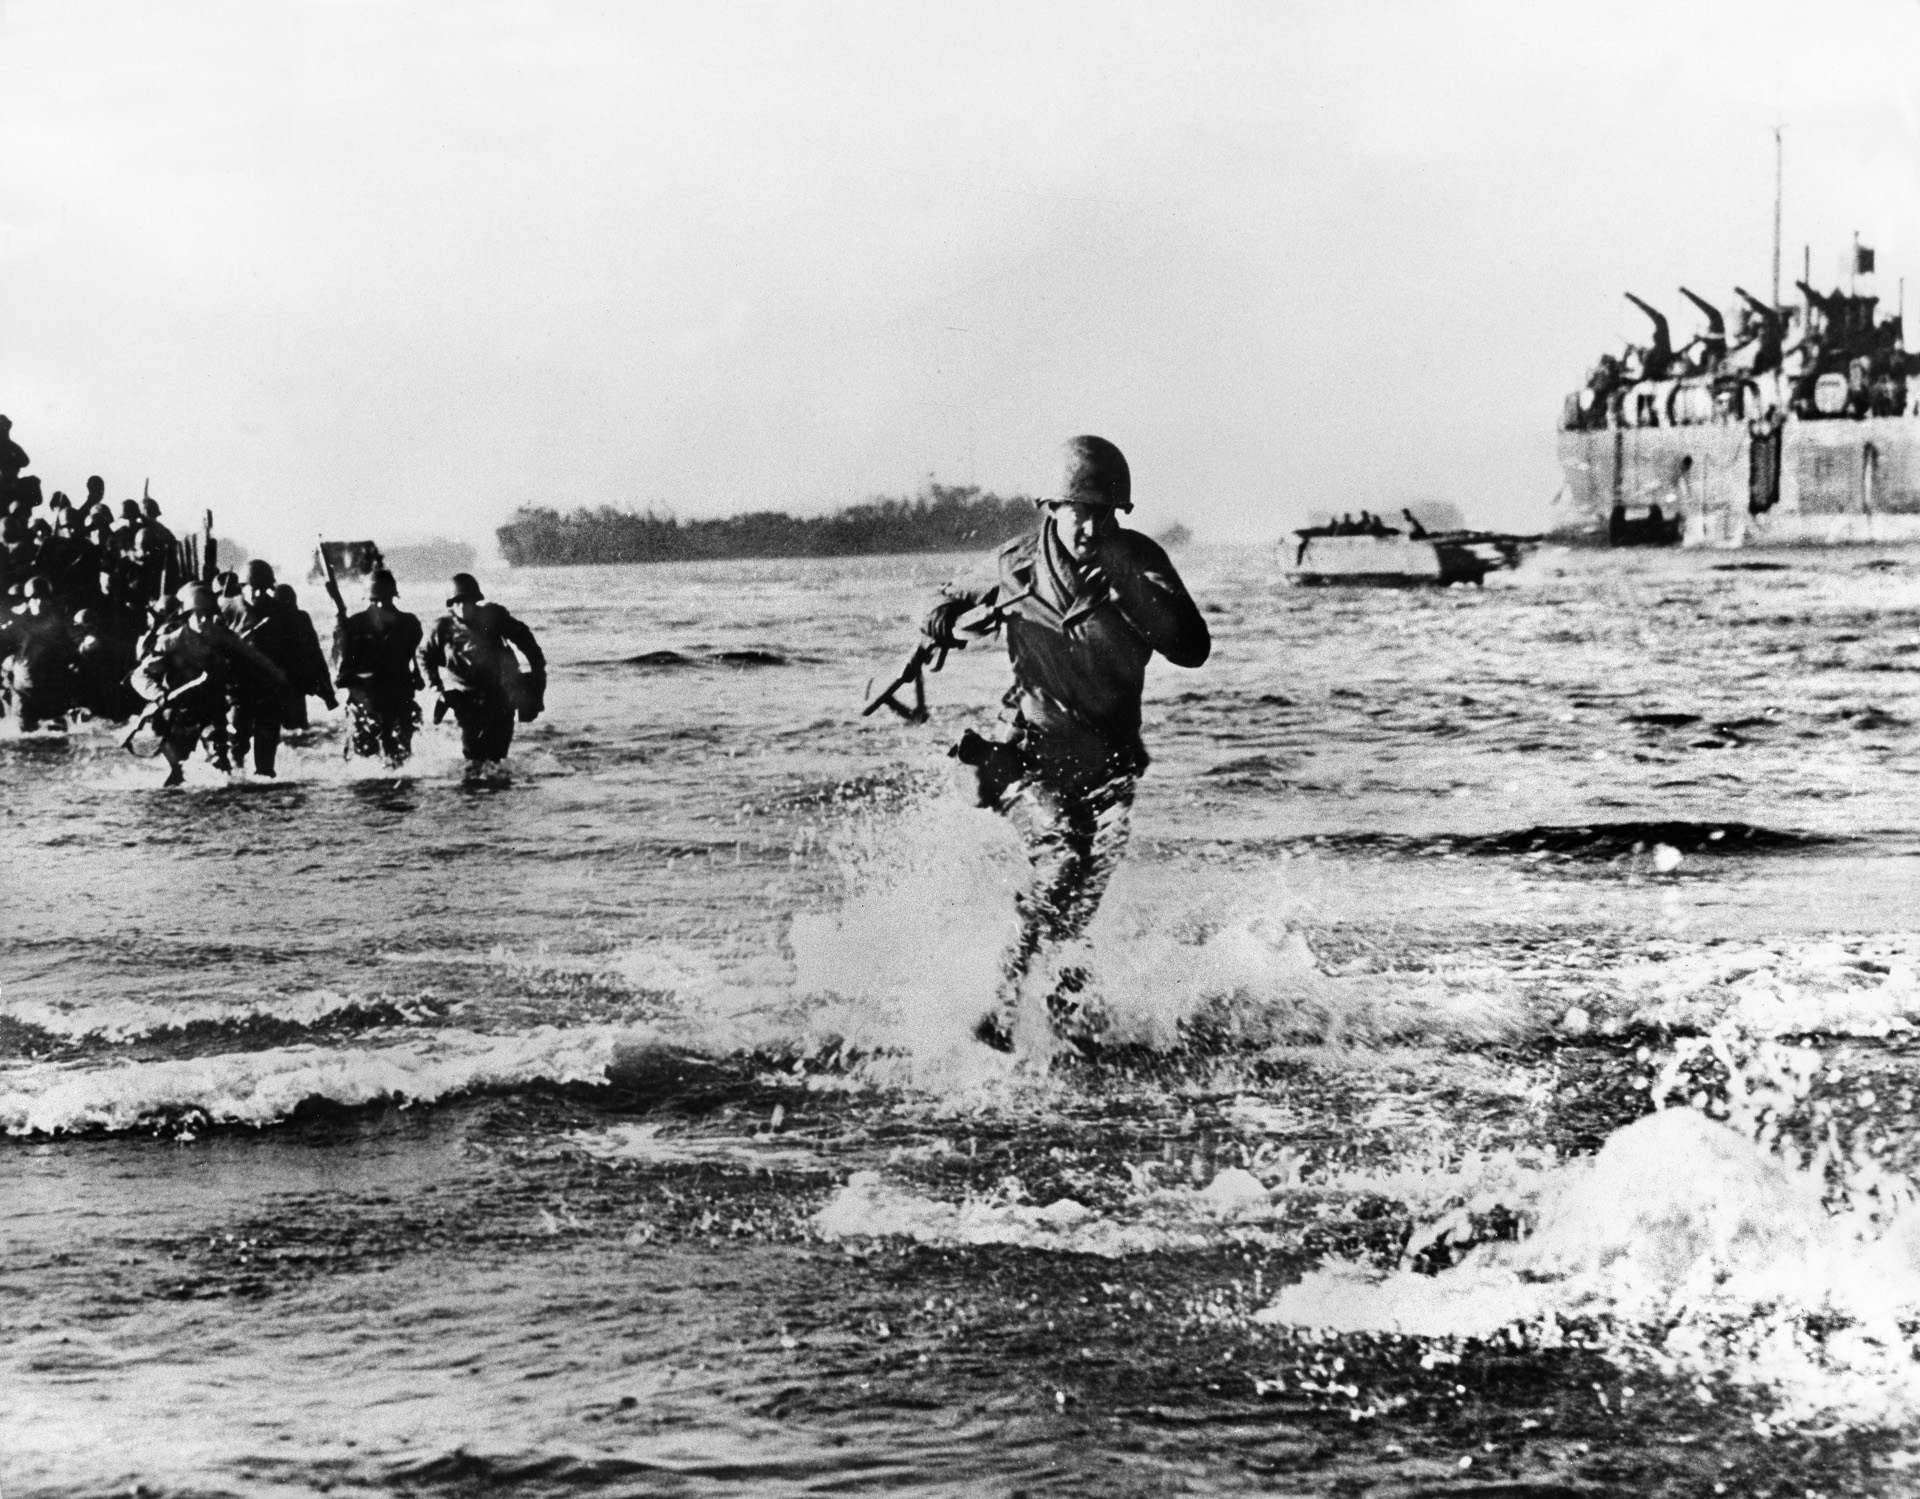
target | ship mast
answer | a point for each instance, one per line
(1778, 152)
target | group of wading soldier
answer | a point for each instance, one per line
(230, 679)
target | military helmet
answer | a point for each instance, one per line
(38, 587)
(259, 574)
(382, 586)
(466, 589)
(1096, 474)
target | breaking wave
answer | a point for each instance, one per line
(1709, 1250)
(34, 1025)
(1599, 842)
(264, 1087)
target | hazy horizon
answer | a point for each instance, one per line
(398, 271)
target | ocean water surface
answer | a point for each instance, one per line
(1503, 1078)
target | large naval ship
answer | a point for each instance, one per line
(1776, 424)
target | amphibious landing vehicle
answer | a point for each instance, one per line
(1373, 553)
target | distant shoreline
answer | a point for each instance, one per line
(941, 518)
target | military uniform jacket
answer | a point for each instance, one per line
(215, 651)
(1080, 642)
(376, 653)
(475, 658)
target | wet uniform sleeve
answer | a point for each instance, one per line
(983, 586)
(1152, 599)
(433, 656)
(521, 638)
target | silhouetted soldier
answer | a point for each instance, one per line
(376, 650)
(306, 663)
(190, 672)
(470, 664)
(15, 492)
(255, 616)
(40, 644)
(150, 513)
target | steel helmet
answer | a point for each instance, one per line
(1096, 474)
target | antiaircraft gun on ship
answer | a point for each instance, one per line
(1782, 424)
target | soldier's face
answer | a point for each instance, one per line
(1078, 526)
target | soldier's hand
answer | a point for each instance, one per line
(939, 625)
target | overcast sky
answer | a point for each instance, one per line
(396, 269)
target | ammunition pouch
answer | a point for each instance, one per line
(997, 764)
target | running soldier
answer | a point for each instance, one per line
(1085, 605)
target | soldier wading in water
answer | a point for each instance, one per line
(376, 649)
(469, 661)
(1085, 606)
(189, 674)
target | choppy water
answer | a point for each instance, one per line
(619, 1130)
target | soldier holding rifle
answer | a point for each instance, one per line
(1085, 605)
(188, 675)
(375, 651)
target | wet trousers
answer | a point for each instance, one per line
(40, 708)
(256, 723)
(198, 717)
(381, 728)
(1074, 818)
(486, 725)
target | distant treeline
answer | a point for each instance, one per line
(942, 518)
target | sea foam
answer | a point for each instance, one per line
(261, 1087)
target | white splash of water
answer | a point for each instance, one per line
(1708, 1255)
(261, 1087)
(656, 1145)
(868, 1207)
(1852, 986)
(116, 1021)
(912, 958)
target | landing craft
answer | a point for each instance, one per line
(1380, 555)
(345, 560)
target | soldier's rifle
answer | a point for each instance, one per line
(929, 656)
(333, 583)
(158, 706)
